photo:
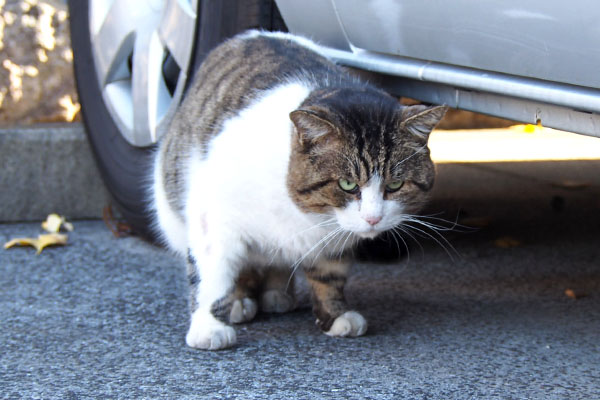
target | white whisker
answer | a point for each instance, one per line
(325, 239)
(344, 244)
(410, 235)
(395, 233)
(340, 238)
(321, 241)
(428, 224)
(327, 244)
(443, 242)
(418, 151)
(453, 224)
(322, 224)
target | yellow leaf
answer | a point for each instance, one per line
(54, 222)
(476, 222)
(506, 242)
(42, 241)
(573, 185)
(574, 295)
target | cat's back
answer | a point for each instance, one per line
(236, 73)
(233, 77)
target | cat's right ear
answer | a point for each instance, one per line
(420, 120)
(311, 126)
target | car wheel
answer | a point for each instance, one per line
(133, 61)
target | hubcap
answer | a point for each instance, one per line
(142, 51)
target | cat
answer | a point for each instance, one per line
(279, 159)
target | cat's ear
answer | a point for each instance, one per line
(420, 120)
(312, 125)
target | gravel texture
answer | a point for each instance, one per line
(106, 317)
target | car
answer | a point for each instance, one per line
(534, 62)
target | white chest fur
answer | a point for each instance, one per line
(238, 194)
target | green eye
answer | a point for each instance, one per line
(348, 186)
(392, 187)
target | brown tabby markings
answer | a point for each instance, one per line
(364, 137)
(249, 285)
(327, 284)
(343, 129)
(193, 280)
(360, 133)
(228, 80)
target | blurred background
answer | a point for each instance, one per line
(37, 86)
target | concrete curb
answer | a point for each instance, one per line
(48, 168)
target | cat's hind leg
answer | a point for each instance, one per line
(277, 291)
(240, 305)
(327, 279)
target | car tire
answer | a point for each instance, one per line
(125, 168)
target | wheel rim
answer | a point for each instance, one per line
(142, 51)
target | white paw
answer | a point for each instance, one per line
(209, 334)
(349, 323)
(243, 310)
(276, 301)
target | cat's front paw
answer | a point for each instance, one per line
(209, 334)
(276, 301)
(349, 323)
(242, 310)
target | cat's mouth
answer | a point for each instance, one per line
(370, 234)
(363, 232)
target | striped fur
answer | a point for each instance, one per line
(247, 180)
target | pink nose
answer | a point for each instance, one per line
(372, 220)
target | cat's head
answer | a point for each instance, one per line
(359, 154)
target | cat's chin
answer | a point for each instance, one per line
(368, 234)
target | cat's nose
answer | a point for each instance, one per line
(372, 220)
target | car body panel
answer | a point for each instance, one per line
(545, 39)
(533, 62)
(316, 20)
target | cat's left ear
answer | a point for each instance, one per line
(312, 125)
(420, 120)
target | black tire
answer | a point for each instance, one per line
(124, 167)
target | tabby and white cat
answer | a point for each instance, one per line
(278, 159)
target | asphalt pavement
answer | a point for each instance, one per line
(509, 309)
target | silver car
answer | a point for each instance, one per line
(534, 61)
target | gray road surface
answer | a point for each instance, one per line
(106, 317)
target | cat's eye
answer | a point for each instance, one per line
(348, 186)
(394, 186)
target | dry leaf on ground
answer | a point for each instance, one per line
(54, 222)
(506, 242)
(573, 294)
(476, 222)
(118, 228)
(42, 241)
(572, 185)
